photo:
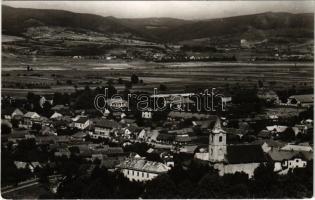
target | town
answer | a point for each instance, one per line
(157, 100)
(61, 140)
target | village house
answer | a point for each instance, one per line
(43, 100)
(56, 116)
(275, 129)
(29, 118)
(268, 96)
(117, 103)
(286, 160)
(269, 144)
(10, 113)
(61, 152)
(173, 115)
(305, 100)
(297, 147)
(27, 165)
(147, 114)
(139, 169)
(82, 123)
(300, 129)
(46, 130)
(104, 127)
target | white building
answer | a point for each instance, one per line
(10, 113)
(305, 100)
(139, 169)
(82, 123)
(30, 118)
(117, 103)
(147, 114)
(229, 159)
(288, 160)
(56, 115)
(296, 147)
(104, 127)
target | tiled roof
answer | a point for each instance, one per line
(292, 147)
(10, 110)
(59, 107)
(143, 165)
(31, 114)
(245, 154)
(184, 138)
(271, 143)
(82, 120)
(105, 123)
(279, 155)
(305, 98)
(188, 115)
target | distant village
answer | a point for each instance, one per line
(41, 132)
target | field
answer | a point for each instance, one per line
(176, 76)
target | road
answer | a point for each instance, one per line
(25, 184)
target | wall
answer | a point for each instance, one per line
(202, 156)
(134, 175)
(247, 168)
(102, 131)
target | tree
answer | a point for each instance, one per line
(161, 187)
(128, 85)
(163, 87)
(120, 81)
(287, 135)
(134, 79)
(260, 84)
(5, 129)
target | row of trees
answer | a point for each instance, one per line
(198, 181)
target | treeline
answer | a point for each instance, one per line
(199, 181)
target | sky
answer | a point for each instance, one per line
(174, 9)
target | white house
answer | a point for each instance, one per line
(82, 123)
(296, 147)
(56, 115)
(117, 103)
(139, 169)
(10, 113)
(286, 160)
(103, 128)
(147, 114)
(276, 128)
(305, 100)
(29, 118)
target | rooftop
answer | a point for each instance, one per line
(245, 154)
(143, 165)
(105, 123)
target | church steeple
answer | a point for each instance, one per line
(217, 128)
(217, 143)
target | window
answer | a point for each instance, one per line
(132, 173)
(137, 173)
(220, 139)
(142, 174)
(128, 172)
(296, 160)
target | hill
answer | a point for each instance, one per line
(16, 21)
(265, 23)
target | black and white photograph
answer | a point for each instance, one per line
(157, 99)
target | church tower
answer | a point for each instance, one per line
(217, 143)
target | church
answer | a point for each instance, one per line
(229, 159)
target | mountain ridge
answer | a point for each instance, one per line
(16, 21)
